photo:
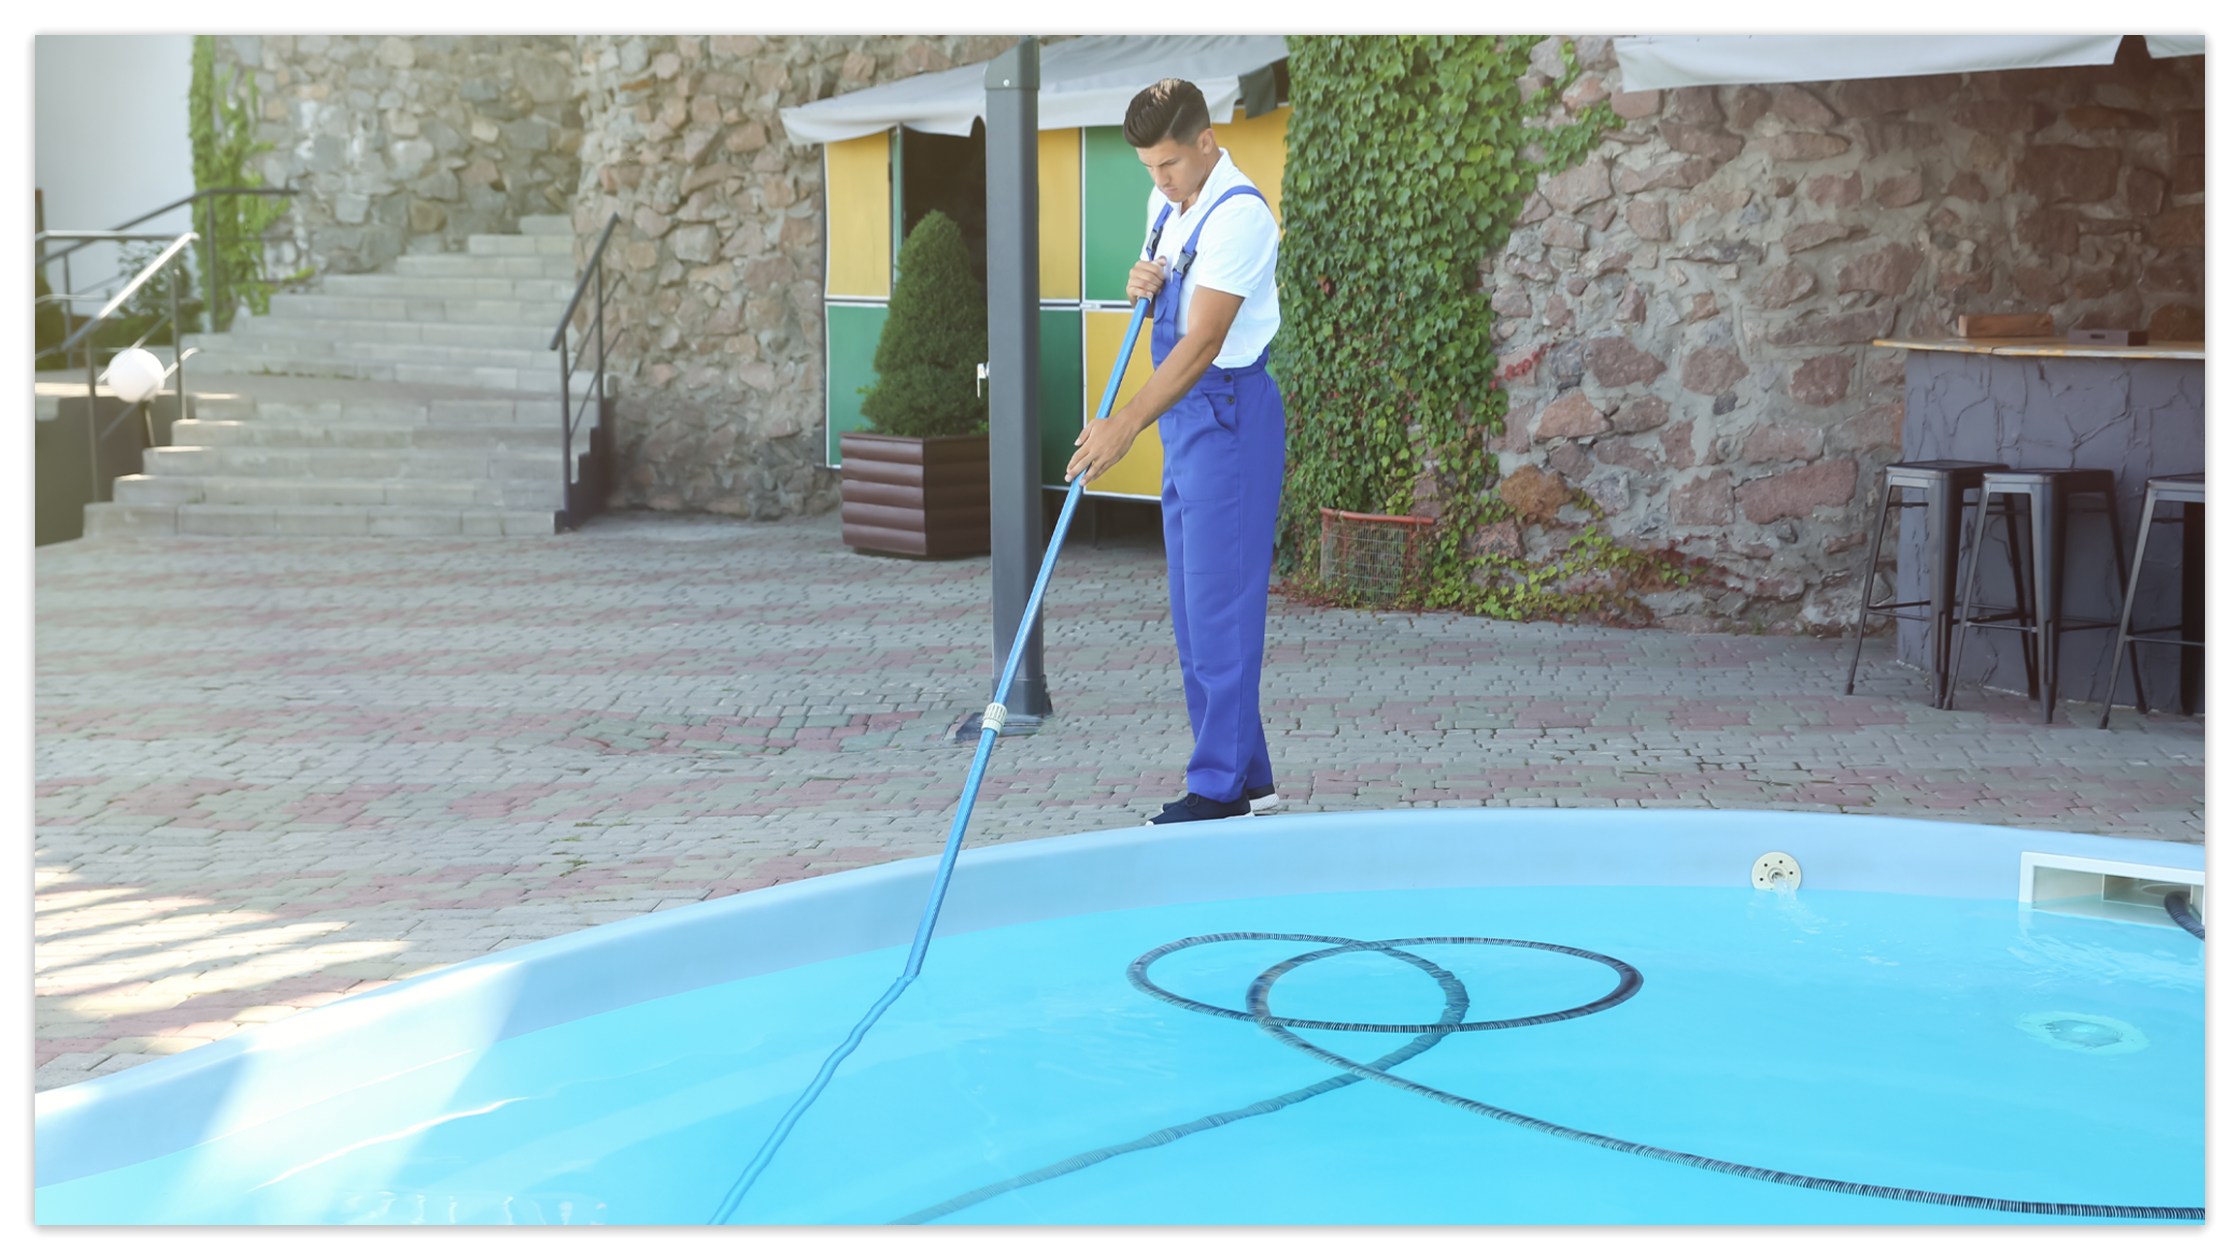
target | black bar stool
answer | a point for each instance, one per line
(2190, 492)
(1944, 485)
(2051, 493)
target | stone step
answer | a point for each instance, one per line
(540, 409)
(548, 225)
(435, 332)
(144, 490)
(425, 310)
(160, 489)
(111, 520)
(508, 336)
(260, 431)
(534, 266)
(517, 380)
(347, 463)
(522, 244)
(375, 285)
(281, 342)
(257, 362)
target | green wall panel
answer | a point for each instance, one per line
(851, 338)
(1059, 397)
(1115, 188)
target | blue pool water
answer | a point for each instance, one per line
(1959, 1047)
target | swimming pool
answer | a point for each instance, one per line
(1419, 1016)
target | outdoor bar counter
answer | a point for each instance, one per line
(2043, 402)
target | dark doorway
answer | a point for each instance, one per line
(949, 174)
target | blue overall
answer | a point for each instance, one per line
(1218, 490)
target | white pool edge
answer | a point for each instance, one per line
(156, 1108)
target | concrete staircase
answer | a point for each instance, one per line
(419, 401)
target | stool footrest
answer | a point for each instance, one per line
(2148, 638)
(2031, 627)
(1911, 603)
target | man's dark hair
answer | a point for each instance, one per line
(1171, 109)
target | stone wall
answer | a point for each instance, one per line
(403, 144)
(721, 253)
(1689, 312)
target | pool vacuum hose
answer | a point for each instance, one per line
(991, 725)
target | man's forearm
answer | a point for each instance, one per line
(1189, 361)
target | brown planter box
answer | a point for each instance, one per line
(910, 496)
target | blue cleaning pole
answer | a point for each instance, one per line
(991, 725)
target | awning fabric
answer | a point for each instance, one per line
(1086, 82)
(1673, 61)
(2177, 45)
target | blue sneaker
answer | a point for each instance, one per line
(1195, 808)
(1263, 798)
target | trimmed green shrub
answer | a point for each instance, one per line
(935, 338)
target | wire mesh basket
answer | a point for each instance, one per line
(1376, 557)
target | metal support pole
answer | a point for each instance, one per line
(179, 269)
(93, 429)
(1014, 354)
(69, 311)
(220, 290)
(598, 331)
(567, 435)
(216, 263)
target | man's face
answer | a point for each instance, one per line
(1180, 170)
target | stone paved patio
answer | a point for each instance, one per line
(271, 773)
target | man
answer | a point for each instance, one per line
(1210, 271)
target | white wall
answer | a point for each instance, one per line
(110, 135)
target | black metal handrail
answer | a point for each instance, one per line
(146, 273)
(583, 496)
(189, 199)
(217, 303)
(590, 268)
(96, 432)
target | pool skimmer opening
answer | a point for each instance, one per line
(2097, 888)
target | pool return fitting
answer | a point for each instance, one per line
(991, 725)
(1776, 871)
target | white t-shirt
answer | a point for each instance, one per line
(1237, 254)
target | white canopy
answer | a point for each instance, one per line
(1672, 61)
(2178, 45)
(1086, 82)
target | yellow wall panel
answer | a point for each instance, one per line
(1058, 174)
(1101, 335)
(1256, 146)
(859, 218)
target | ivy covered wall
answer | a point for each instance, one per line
(1682, 414)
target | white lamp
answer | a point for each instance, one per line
(134, 375)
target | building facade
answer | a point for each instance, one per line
(1686, 316)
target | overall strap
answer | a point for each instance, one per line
(1158, 225)
(1190, 247)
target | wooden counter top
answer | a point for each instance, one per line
(2050, 347)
